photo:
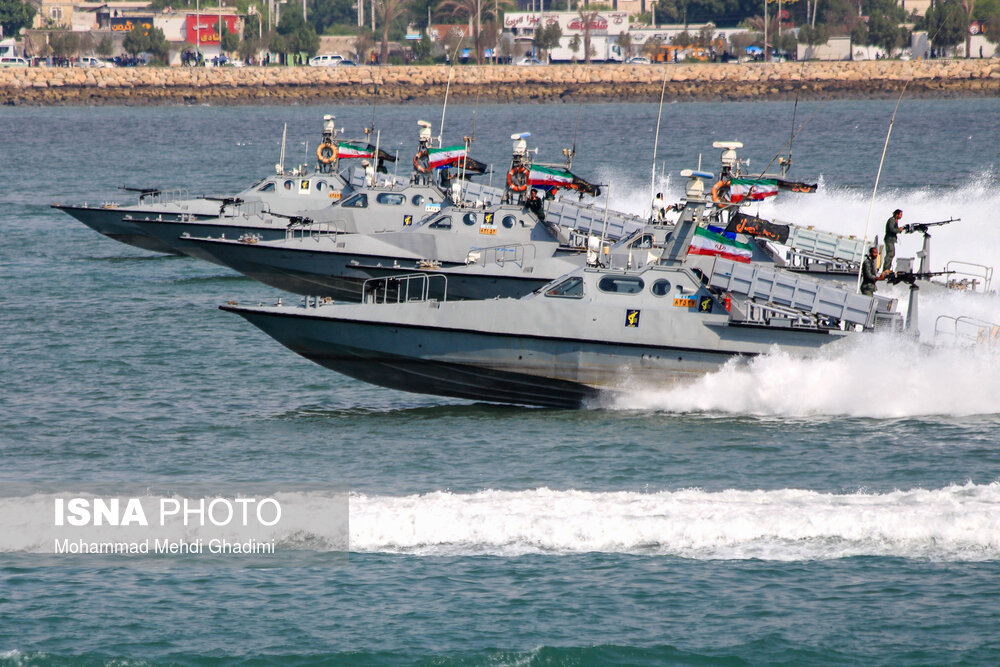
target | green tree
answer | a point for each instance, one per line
(814, 36)
(64, 43)
(883, 32)
(324, 14)
(992, 28)
(230, 41)
(158, 46)
(625, 44)
(423, 50)
(547, 37)
(364, 43)
(388, 12)
(298, 36)
(475, 11)
(15, 15)
(859, 35)
(136, 41)
(651, 47)
(574, 45)
(104, 47)
(945, 23)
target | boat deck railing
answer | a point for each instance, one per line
(969, 277)
(256, 208)
(966, 331)
(520, 254)
(403, 288)
(800, 259)
(164, 196)
(312, 230)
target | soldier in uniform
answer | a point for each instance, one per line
(891, 232)
(534, 204)
(868, 275)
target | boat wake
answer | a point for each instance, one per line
(955, 523)
(874, 376)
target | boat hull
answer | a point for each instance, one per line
(111, 223)
(341, 276)
(179, 235)
(481, 365)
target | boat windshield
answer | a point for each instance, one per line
(571, 288)
(359, 200)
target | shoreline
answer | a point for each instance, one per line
(500, 84)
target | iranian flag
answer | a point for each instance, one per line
(345, 149)
(549, 177)
(445, 156)
(708, 243)
(752, 188)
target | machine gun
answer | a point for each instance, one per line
(911, 277)
(293, 220)
(922, 227)
(225, 201)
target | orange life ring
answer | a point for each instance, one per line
(326, 153)
(517, 184)
(717, 188)
(418, 163)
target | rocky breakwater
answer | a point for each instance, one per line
(702, 81)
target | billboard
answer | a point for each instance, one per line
(204, 28)
(129, 23)
(604, 22)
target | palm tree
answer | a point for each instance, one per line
(388, 11)
(587, 18)
(474, 10)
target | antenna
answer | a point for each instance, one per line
(656, 141)
(444, 109)
(797, 132)
(878, 175)
(572, 152)
(475, 112)
(788, 163)
(281, 159)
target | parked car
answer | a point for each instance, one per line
(639, 60)
(527, 61)
(93, 61)
(326, 60)
(13, 61)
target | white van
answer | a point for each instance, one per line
(13, 61)
(93, 61)
(326, 60)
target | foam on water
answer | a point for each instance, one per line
(852, 379)
(880, 376)
(955, 523)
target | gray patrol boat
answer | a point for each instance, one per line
(673, 317)
(285, 192)
(484, 250)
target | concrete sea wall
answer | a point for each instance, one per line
(289, 85)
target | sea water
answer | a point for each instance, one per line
(838, 510)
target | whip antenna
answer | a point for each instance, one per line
(878, 174)
(656, 141)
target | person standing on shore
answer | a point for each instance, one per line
(891, 233)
